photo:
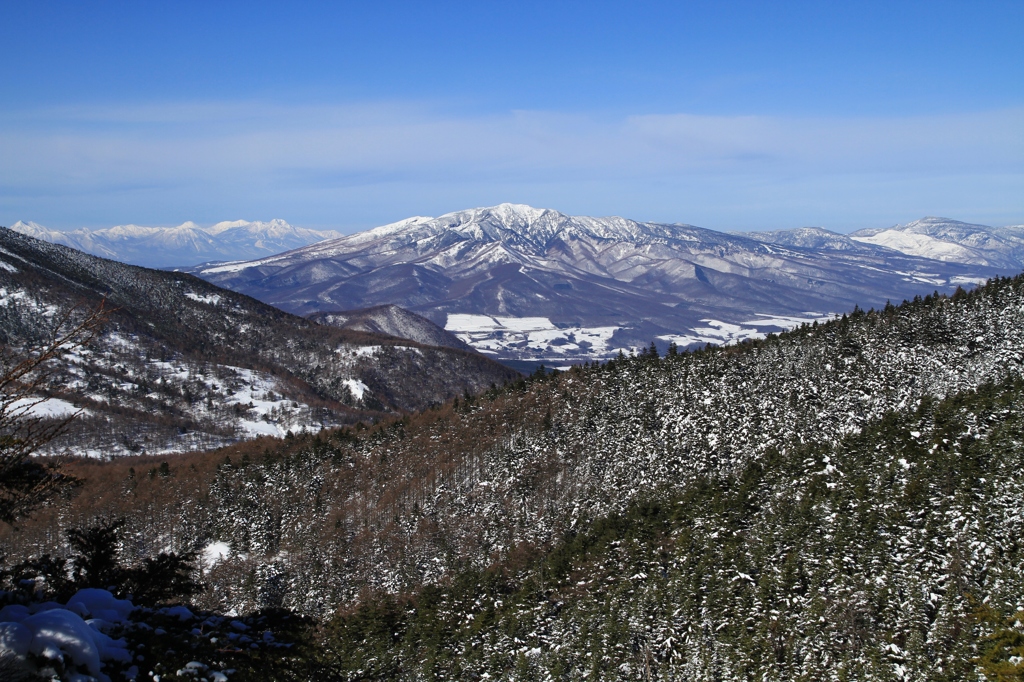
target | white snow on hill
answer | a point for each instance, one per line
(951, 241)
(43, 408)
(918, 245)
(589, 286)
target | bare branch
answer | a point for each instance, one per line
(24, 430)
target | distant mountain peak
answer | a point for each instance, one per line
(514, 213)
(182, 245)
(22, 225)
(227, 225)
(33, 229)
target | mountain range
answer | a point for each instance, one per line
(186, 244)
(524, 283)
(837, 501)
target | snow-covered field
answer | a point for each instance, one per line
(531, 337)
(537, 338)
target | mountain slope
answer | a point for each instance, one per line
(810, 238)
(184, 245)
(521, 282)
(867, 560)
(187, 365)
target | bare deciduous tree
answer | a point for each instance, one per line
(25, 481)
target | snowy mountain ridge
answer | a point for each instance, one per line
(181, 245)
(393, 321)
(529, 229)
(610, 283)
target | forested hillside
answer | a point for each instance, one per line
(841, 501)
(890, 555)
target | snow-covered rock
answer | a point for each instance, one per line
(60, 633)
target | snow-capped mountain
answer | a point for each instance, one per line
(952, 241)
(527, 283)
(184, 245)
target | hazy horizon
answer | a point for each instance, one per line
(207, 225)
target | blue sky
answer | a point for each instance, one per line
(729, 115)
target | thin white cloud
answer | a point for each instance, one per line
(189, 151)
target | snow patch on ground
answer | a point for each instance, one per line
(254, 428)
(266, 412)
(44, 408)
(7, 297)
(958, 279)
(214, 553)
(357, 387)
(212, 299)
(236, 266)
(259, 393)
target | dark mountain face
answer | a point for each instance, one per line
(391, 320)
(185, 365)
(520, 282)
